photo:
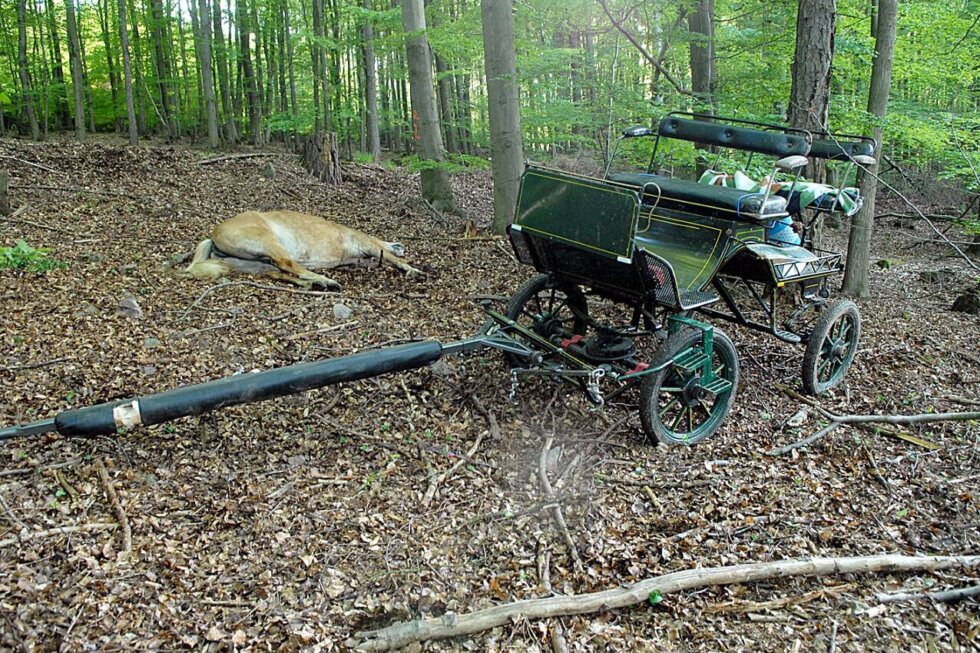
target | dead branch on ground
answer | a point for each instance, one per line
(555, 510)
(29, 163)
(453, 625)
(946, 596)
(110, 491)
(247, 155)
(51, 532)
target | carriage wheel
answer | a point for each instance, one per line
(549, 307)
(831, 347)
(674, 408)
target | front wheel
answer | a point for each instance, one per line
(675, 406)
(550, 308)
(831, 347)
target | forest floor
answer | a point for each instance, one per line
(291, 524)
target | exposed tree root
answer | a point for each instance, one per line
(452, 625)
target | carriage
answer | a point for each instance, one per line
(631, 266)
(673, 253)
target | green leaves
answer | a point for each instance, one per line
(24, 257)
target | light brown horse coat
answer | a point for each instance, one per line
(286, 245)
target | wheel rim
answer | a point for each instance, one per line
(685, 412)
(836, 350)
(548, 312)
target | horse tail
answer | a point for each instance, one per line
(203, 266)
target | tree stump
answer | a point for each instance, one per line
(4, 200)
(968, 302)
(321, 157)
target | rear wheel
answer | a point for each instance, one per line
(549, 307)
(831, 347)
(675, 406)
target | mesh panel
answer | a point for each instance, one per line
(662, 279)
(521, 249)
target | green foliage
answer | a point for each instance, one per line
(24, 257)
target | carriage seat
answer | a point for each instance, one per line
(694, 197)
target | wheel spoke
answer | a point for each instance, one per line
(680, 417)
(663, 411)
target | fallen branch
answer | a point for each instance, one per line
(110, 490)
(51, 532)
(70, 189)
(247, 155)
(452, 625)
(946, 596)
(260, 286)
(434, 484)
(34, 366)
(30, 163)
(549, 493)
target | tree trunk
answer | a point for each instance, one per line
(161, 65)
(859, 244)
(201, 24)
(103, 11)
(251, 89)
(701, 25)
(321, 157)
(77, 81)
(4, 200)
(293, 105)
(809, 98)
(505, 121)
(138, 85)
(370, 86)
(57, 69)
(435, 179)
(25, 75)
(134, 137)
(224, 76)
(321, 74)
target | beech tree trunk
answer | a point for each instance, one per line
(248, 72)
(221, 59)
(134, 136)
(77, 78)
(24, 73)
(201, 24)
(859, 243)
(370, 86)
(321, 156)
(504, 112)
(435, 179)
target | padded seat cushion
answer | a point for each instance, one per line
(736, 202)
(777, 143)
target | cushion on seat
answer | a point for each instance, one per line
(777, 143)
(734, 202)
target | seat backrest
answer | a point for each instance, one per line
(582, 212)
(776, 143)
(840, 150)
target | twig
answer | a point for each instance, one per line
(964, 401)
(832, 646)
(22, 209)
(110, 490)
(335, 327)
(34, 366)
(29, 163)
(69, 189)
(260, 286)
(453, 625)
(247, 155)
(945, 596)
(556, 512)
(58, 530)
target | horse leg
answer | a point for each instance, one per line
(290, 268)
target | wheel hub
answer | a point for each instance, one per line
(693, 393)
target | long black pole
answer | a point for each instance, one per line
(108, 418)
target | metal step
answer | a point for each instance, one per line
(787, 336)
(692, 360)
(717, 386)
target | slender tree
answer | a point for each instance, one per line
(502, 98)
(809, 98)
(435, 179)
(25, 75)
(201, 24)
(248, 73)
(370, 83)
(859, 244)
(77, 79)
(224, 76)
(134, 137)
(701, 25)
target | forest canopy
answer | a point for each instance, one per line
(284, 66)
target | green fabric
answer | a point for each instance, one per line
(809, 192)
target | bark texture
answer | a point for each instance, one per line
(435, 179)
(859, 243)
(504, 112)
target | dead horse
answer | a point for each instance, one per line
(285, 244)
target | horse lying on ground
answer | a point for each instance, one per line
(284, 245)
